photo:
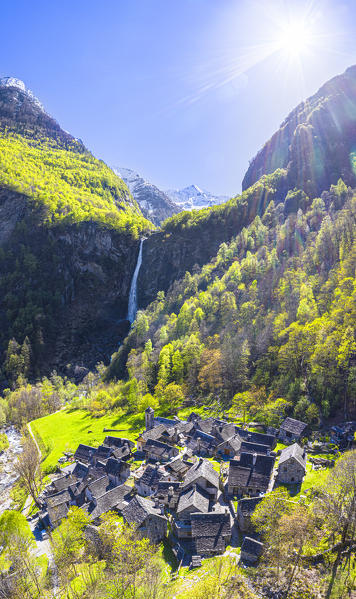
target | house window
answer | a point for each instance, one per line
(285, 468)
(292, 479)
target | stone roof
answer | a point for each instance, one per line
(57, 512)
(139, 509)
(251, 470)
(117, 442)
(253, 437)
(206, 426)
(115, 467)
(167, 422)
(150, 477)
(159, 449)
(224, 432)
(249, 447)
(296, 427)
(234, 442)
(103, 452)
(121, 452)
(99, 486)
(248, 505)
(202, 468)
(64, 496)
(94, 473)
(210, 531)
(194, 497)
(114, 498)
(204, 439)
(252, 546)
(80, 470)
(178, 466)
(84, 453)
(154, 433)
(296, 452)
(63, 482)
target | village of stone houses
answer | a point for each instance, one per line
(196, 482)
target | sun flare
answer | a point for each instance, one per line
(295, 38)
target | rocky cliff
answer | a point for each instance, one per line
(316, 141)
(66, 287)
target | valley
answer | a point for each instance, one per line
(189, 375)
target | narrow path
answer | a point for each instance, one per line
(28, 501)
(34, 439)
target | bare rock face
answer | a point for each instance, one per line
(316, 140)
(12, 210)
(22, 112)
(76, 280)
(154, 203)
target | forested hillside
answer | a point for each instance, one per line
(270, 318)
(69, 231)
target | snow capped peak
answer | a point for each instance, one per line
(19, 84)
(193, 196)
(12, 82)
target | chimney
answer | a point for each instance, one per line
(156, 501)
(170, 491)
(161, 506)
(254, 458)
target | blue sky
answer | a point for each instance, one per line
(183, 91)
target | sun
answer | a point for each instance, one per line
(295, 38)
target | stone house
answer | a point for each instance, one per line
(245, 509)
(203, 474)
(84, 453)
(260, 438)
(258, 448)
(292, 430)
(191, 501)
(153, 433)
(202, 443)
(102, 454)
(148, 519)
(167, 494)
(178, 467)
(158, 451)
(97, 488)
(292, 464)
(229, 448)
(115, 499)
(117, 470)
(251, 550)
(146, 482)
(250, 475)
(211, 533)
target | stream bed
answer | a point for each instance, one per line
(7, 461)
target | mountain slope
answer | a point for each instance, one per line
(154, 203)
(316, 142)
(192, 238)
(271, 315)
(69, 232)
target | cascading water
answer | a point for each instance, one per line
(132, 307)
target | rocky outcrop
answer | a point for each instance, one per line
(22, 112)
(71, 283)
(316, 141)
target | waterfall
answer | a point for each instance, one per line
(132, 306)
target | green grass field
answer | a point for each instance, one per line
(64, 430)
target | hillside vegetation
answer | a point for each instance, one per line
(69, 183)
(269, 321)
